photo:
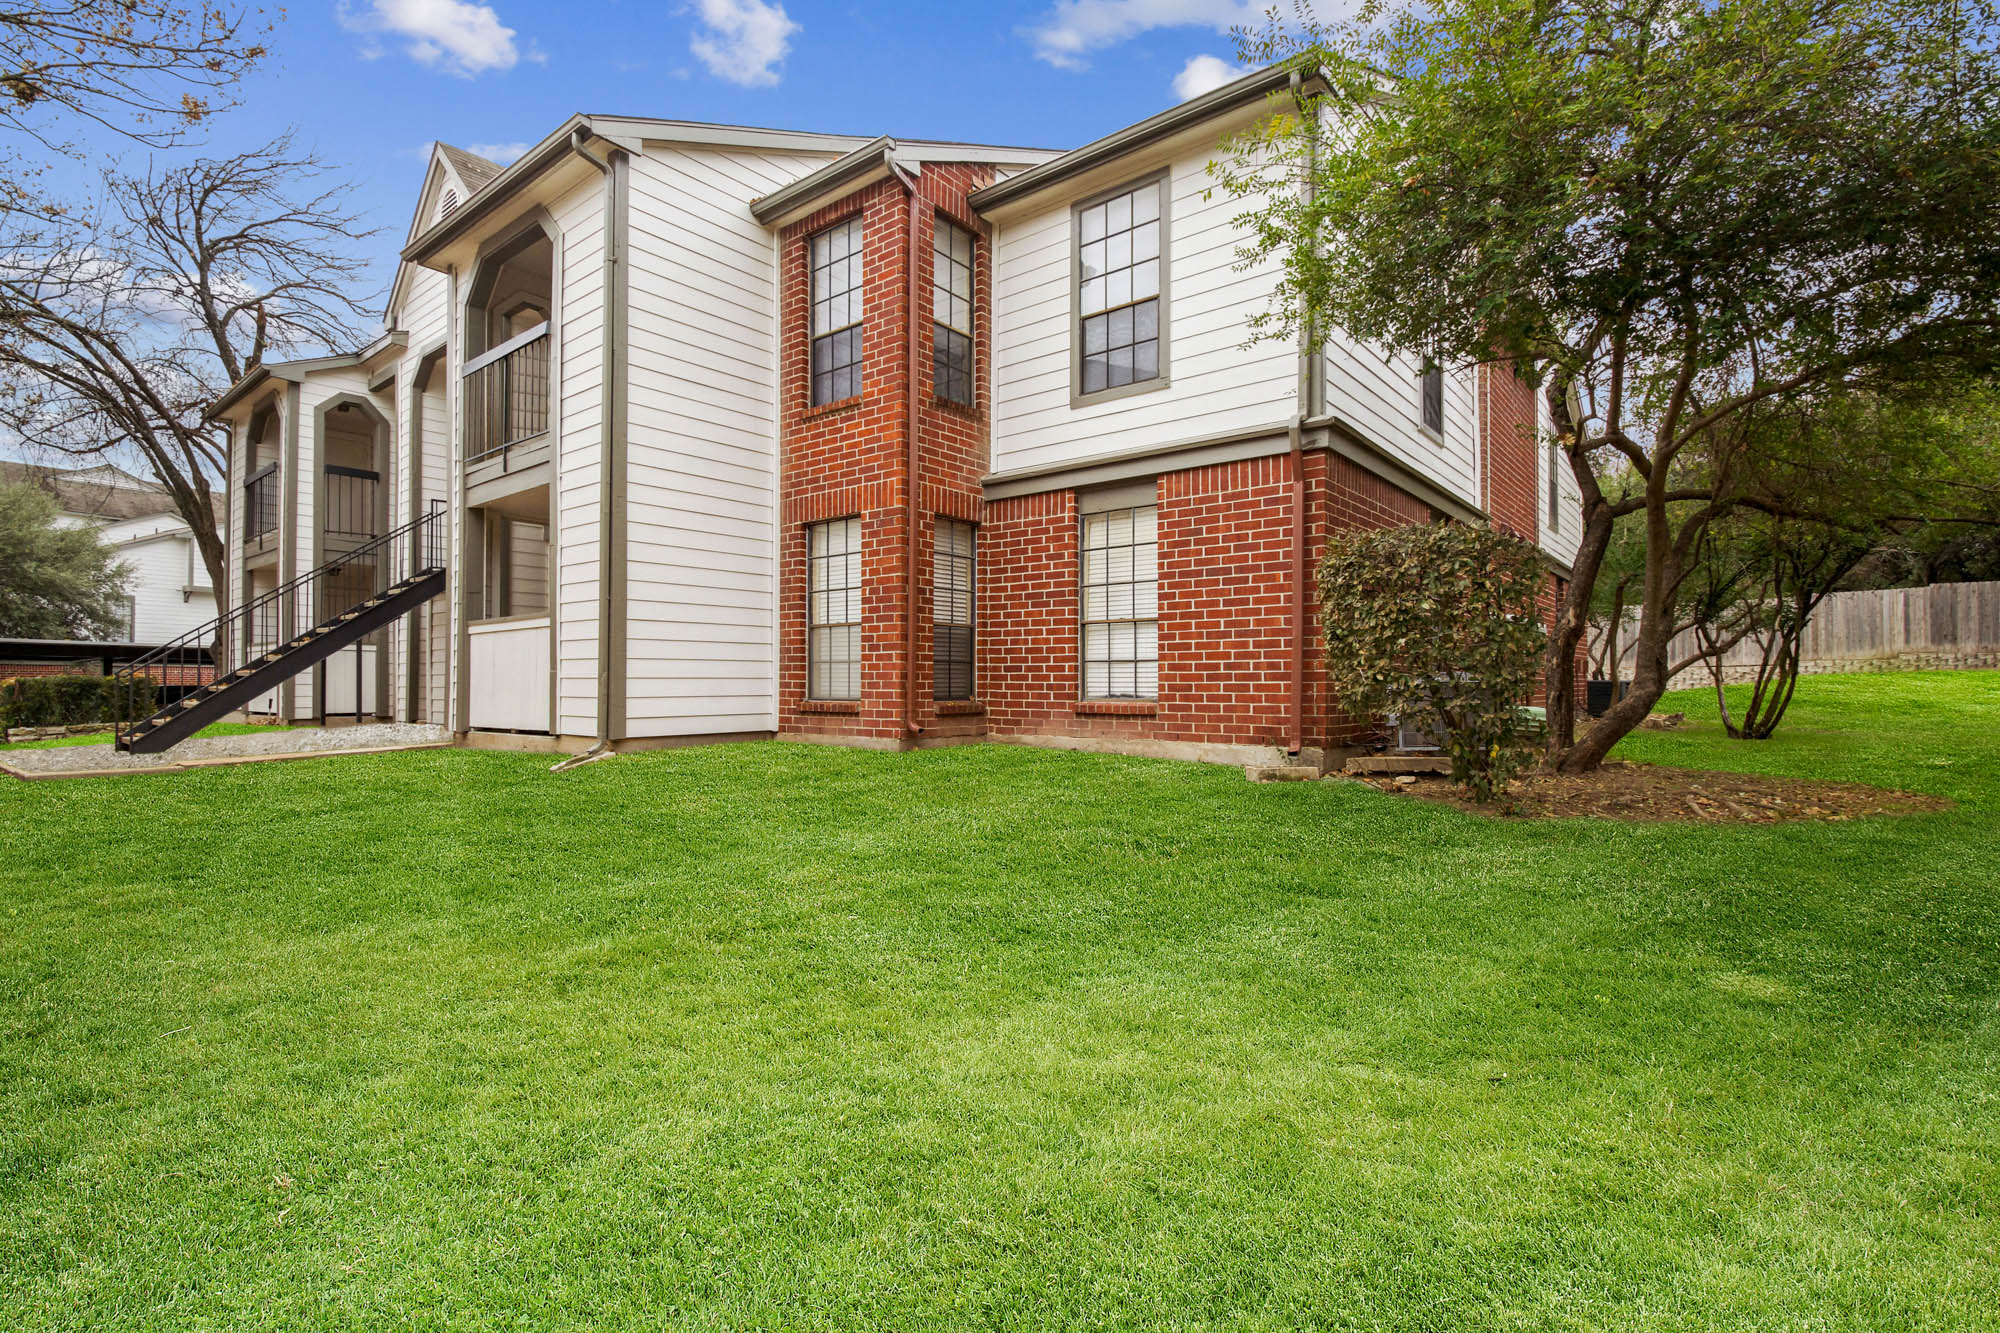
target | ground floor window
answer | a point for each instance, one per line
(833, 595)
(953, 578)
(1121, 630)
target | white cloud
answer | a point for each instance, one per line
(502, 153)
(1069, 33)
(451, 35)
(1203, 74)
(742, 40)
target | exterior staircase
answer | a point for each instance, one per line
(411, 560)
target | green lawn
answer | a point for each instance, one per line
(104, 737)
(786, 1035)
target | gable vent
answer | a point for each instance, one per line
(448, 204)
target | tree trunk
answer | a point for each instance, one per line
(1572, 623)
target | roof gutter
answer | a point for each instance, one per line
(877, 155)
(1230, 97)
(506, 185)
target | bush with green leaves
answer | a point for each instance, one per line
(1438, 624)
(68, 701)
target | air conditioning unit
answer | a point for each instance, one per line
(1409, 736)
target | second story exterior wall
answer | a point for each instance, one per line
(1212, 382)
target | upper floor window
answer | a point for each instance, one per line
(951, 312)
(1433, 397)
(1120, 276)
(1555, 489)
(836, 312)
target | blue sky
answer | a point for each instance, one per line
(372, 82)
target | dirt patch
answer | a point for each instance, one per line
(1650, 793)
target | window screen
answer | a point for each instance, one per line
(1433, 382)
(1555, 489)
(836, 312)
(1118, 295)
(953, 580)
(1121, 655)
(951, 312)
(833, 645)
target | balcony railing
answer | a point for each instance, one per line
(507, 393)
(260, 504)
(349, 496)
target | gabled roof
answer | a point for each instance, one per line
(876, 158)
(1229, 97)
(473, 170)
(104, 492)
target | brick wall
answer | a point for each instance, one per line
(850, 458)
(1509, 472)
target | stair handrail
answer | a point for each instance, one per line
(202, 646)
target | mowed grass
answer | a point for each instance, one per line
(105, 737)
(779, 1035)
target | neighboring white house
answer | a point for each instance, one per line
(168, 592)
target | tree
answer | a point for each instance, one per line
(1661, 212)
(56, 582)
(118, 330)
(146, 69)
(1838, 478)
(1437, 624)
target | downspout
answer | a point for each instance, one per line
(1301, 576)
(611, 454)
(910, 498)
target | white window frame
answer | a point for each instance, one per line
(824, 596)
(1129, 565)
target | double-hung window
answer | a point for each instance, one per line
(833, 593)
(951, 312)
(1121, 628)
(1555, 488)
(836, 312)
(1120, 276)
(1432, 382)
(953, 579)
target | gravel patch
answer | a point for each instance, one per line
(202, 749)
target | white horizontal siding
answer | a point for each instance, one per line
(1217, 384)
(1562, 542)
(579, 406)
(1381, 397)
(701, 454)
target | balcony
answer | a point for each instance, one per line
(507, 394)
(260, 505)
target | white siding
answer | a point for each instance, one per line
(1217, 384)
(1382, 399)
(701, 463)
(579, 314)
(1561, 543)
(162, 567)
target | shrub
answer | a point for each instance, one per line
(67, 701)
(1437, 624)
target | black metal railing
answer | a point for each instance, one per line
(268, 622)
(507, 393)
(260, 504)
(347, 497)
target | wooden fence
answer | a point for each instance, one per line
(1946, 626)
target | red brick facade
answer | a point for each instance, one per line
(1238, 664)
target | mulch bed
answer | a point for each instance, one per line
(1646, 793)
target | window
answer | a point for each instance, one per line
(1433, 387)
(833, 587)
(953, 578)
(1555, 489)
(951, 312)
(1119, 279)
(1121, 655)
(836, 312)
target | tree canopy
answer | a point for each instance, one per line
(1662, 212)
(56, 582)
